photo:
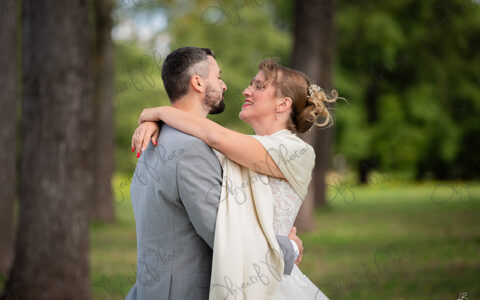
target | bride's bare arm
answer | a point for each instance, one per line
(239, 147)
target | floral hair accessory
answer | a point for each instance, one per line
(312, 88)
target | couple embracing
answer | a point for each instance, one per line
(216, 220)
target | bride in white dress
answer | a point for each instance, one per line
(278, 102)
(286, 206)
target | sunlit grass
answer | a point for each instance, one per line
(392, 242)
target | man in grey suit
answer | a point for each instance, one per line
(176, 190)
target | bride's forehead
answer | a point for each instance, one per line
(260, 76)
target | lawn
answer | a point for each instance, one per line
(384, 241)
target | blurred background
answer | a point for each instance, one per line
(392, 210)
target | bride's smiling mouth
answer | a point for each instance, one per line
(247, 103)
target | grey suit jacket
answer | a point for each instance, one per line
(175, 193)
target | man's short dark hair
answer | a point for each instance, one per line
(180, 65)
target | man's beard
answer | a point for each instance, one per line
(211, 98)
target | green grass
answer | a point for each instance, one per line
(113, 248)
(392, 242)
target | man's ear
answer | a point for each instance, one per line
(285, 104)
(197, 83)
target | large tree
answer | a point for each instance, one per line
(8, 126)
(56, 177)
(103, 208)
(313, 54)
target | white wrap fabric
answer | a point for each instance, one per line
(247, 260)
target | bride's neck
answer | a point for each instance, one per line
(268, 128)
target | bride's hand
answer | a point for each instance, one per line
(293, 236)
(143, 134)
(150, 114)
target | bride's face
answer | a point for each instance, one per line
(259, 103)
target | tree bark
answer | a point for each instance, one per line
(103, 208)
(8, 129)
(56, 173)
(313, 54)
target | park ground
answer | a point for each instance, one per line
(390, 240)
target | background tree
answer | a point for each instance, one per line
(56, 174)
(313, 54)
(103, 208)
(8, 128)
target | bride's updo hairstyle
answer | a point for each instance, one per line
(308, 101)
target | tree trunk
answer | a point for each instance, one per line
(56, 173)
(313, 54)
(8, 129)
(368, 163)
(103, 208)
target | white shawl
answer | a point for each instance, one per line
(247, 260)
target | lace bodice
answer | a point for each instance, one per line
(286, 204)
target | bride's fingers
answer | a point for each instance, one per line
(138, 142)
(136, 137)
(155, 138)
(146, 139)
(300, 256)
(135, 133)
(156, 133)
(151, 134)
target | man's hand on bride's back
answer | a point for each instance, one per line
(143, 134)
(293, 236)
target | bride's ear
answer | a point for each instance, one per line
(285, 104)
(197, 83)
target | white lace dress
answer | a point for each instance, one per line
(286, 206)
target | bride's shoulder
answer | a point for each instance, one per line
(285, 142)
(296, 143)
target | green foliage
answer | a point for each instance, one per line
(138, 85)
(409, 70)
(240, 35)
(412, 66)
